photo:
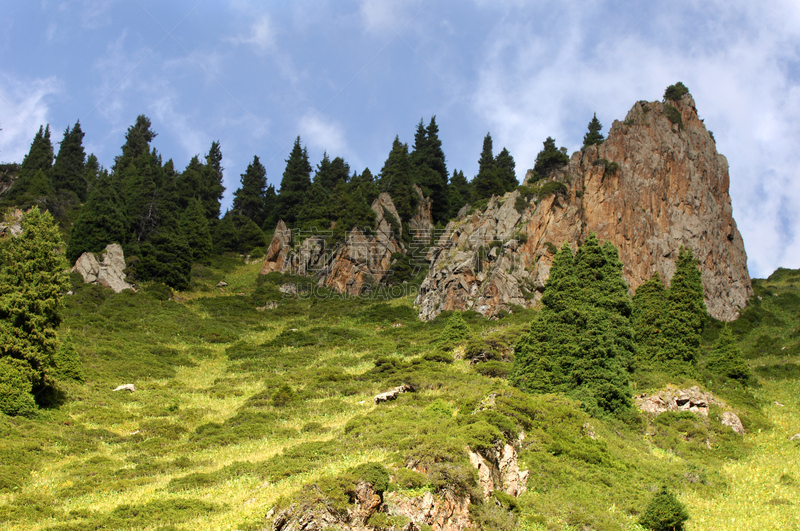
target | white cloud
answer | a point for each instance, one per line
(24, 106)
(261, 34)
(323, 134)
(385, 16)
(535, 82)
(179, 125)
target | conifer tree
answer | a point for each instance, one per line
(581, 343)
(69, 170)
(430, 169)
(165, 257)
(350, 210)
(396, 180)
(100, 222)
(33, 279)
(294, 185)
(487, 182)
(330, 172)
(195, 229)
(647, 318)
(548, 159)
(250, 235)
(249, 199)
(726, 358)
(505, 168)
(594, 136)
(270, 206)
(315, 212)
(92, 171)
(686, 311)
(366, 185)
(33, 181)
(210, 187)
(226, 235)
(459, 192)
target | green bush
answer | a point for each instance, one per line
(673, 115)
(15, 388)
(675, 92)
(664, 513)
(283, 396)
(373, 473)
(455, 331)
(67, 360)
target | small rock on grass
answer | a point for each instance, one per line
(126, 387)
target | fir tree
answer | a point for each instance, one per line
(430, 169)
(487, 182)
(100, 222)
(315, 212)
(580, 343)
(294, 185)
(92, 172)
(459, 192)
(686, 311)
(69, 170)
(33, 279)
(396, 180)
(664, 513)
(647, 318)
(33, 182)
(330, 172)
(366, 185)
(165, 257)
(196, 232)
(270, 206)
(726, 358)
(210, 187)
(594, 136)
(226, 235)
(351, 210)
(505, 168)
(249, 199)
(548, 159)
(250, 235)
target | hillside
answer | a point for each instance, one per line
(249, 402)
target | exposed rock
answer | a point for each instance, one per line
(795, 437)
(391, 394)
(275, 259)
(108, 271)
(12, 225)
(222, 284)
(126, 387)
(443, 512)
(498, 469)
(731, 419)
(693, 400)
(321, 515)
(288, 289)
(649, 189)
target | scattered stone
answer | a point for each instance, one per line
(222, 284)
(270, 305)
(692, 399)
(778, 404)
(795, 437)
(288, 288)
(126, 387)
(392, 394)
(731, 419)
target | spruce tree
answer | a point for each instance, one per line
(647, 318)
(315, 212)
(226, 235)
(726, 358)
(100, 222)
(350, 210)
(270, 206)
(165, 257)
(487, 182)
(594, 136)
(430, 169)
(33, 181)
(210, 187)
(69, 170)
(505, 168)
(459, 192)
(686, 311)
(548, 159)
(396, 180)
(92, 171)
(33, 280)
(330, 172)
(196, 232)
(250, 235)
(294, 185)
(580, 342)
(664, 513)
(249, 199)
(366, 185)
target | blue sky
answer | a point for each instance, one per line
(347, 76)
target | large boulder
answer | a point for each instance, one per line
(108, 271)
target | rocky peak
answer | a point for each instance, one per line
(657, 183)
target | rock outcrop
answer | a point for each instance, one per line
(12, 225)
(692, 400)
(498, 469)
(108, 271)
(358, 264)
(650, 188)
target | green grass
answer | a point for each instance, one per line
(239, 408)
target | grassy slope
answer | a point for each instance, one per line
(211, 437)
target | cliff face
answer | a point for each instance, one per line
(651, 187)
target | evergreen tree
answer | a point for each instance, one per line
(366, 185)
(294, 185)
(100, 222)
(430, 168)
(686, 311)
(137, 144)
(210, 187)
(249, 199)
(188, 183)
(226, 235)
(548, 159)
(581, 343)
(33, 279)
(594, 136)
(270, 206)
(459, 192)
(92, 171)
(165, 257)
(396, 180)
(33, 182)
(350, 210)
(196, 232)
(488, 181)
(505, 168)
(664, 513)
(69, 170)
(726, 359)
(315, 212)
(330, 172)
(250, 235)
(647, 318)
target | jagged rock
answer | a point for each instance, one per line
(443, 512)
(731, 419)
(692, 399)
(275, 259)
(498, 469)
(126, 387)
(222, 284)
(650, 188)
(795, 437)
(108, 271)
(288, 289)
(391, 394)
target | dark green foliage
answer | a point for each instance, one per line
(167, 258)
(581, 341)
(548, 159)
(195, 230)
(675, 92)
(210, 187)
(33, 280)
(250, 199)
(430, 169)
(294, 185)
(686, 310)
(459, 192)
(647, 317)
(250, 235)
(15, 388)
(67, 361)
(331, 172)
(283, 396)
(455, 331)
(726, 359)
(664, 513)
(315, 213)
(593, 136)
(226, 235)
(69, 170)
(373, 473)
(100, 222)
(28, 185)
(396, 180)
(505, 168)
(350, 209)
(674, 115)
(495, 176)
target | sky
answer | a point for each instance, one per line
(347, 76)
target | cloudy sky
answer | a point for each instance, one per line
(347, 76)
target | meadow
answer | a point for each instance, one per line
(245, 397)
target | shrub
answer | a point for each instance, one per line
(455, 331)
(373, 473)
(283, 396)
(673, 115)
(664, 513)
(675, 92)
(15, 388)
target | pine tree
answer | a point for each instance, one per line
(581, 343)
(366, 185)
(33, 279)
(548, 159)
(726, 359)
(165, 257)
(315, 212)
(270, 206)
(505, 168)
(294, 185)
(226, 235)
(249, 199)
(594, 136)
(92, 172)
(686, 311)
(330, 172)
(100, 222)
(69, 170)
(396, 180)
(351, 210)
(250, 235)
(430, 169)
(196, 232)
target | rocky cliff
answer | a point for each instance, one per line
(657, 183)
